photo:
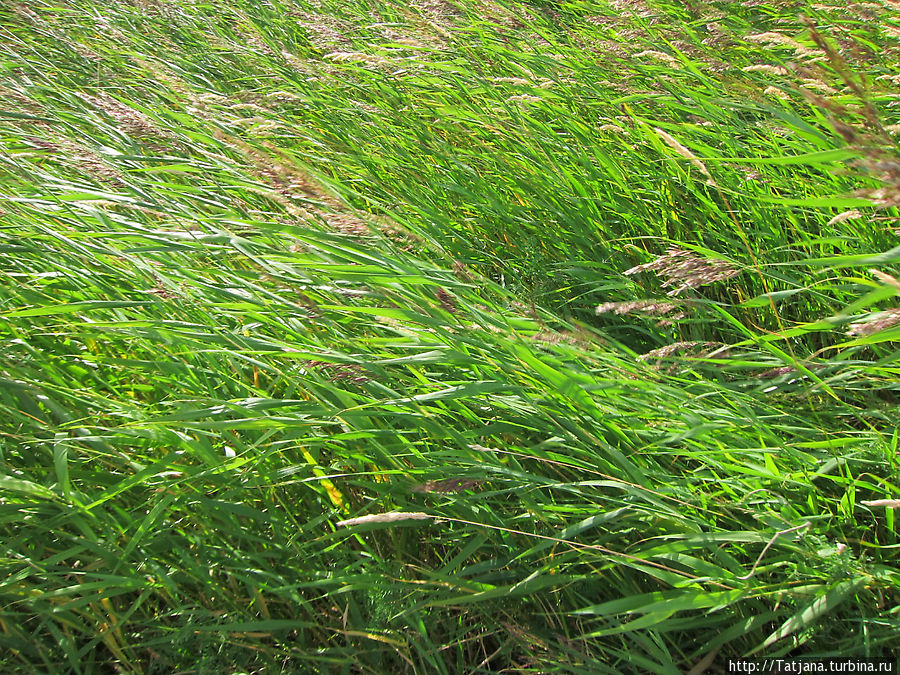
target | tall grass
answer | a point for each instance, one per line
(477, 337)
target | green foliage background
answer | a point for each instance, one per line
(273, 265)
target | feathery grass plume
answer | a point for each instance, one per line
(161, 291)
(874, 323)
(389, 517)
(673, 143)
(635, 8)
(686, 270)
(348, 224)
(25, 13)
(289, 184)
(718, 37)
(448, 485)
(322, 30)
(777, 93)
(773, 38)
(357, 57)
(659, 56)
(555, 337)
(852, 214)
(283, 97)
(133, 122)
(341, 371)
(654, 307)
(463, 272)
(521, 82)
(447, 301)
(886, 168)
(818, 85)
(766, 68)
(677, 348)
(82, 158)
(20, 102)
(523, 98)
(481, 448)
(407, 241)
(886, 278)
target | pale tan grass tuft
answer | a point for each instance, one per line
(772, 38)
(686, 270)
(25, 13)
(524, 98)
(518, 81)
(886, 278)
(676, 348)
(448, 485)
(323, 31)
(389, 517)
(818, 85)
(552, 337)
(614, 128)
(348, 224)
(765, 68)
(874, 323)
(133, 123)
(889, 503)
(845, 216)
(659, 56)
(21, 102)
(357, 57)
(684, 152)
(776, 92)
(654, 307)
(294, 62)
(84, 159)
(283, 96)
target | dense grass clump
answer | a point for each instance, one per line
(452, 337)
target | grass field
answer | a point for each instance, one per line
(447, 337)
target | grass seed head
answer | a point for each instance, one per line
(676, 348)
(389, 517)
(673, 143)
(686, 270)
(654, 307)
(875, 323)
(845, 216)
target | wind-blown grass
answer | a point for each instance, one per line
(302, 367)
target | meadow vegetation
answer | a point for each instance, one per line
(452, 336)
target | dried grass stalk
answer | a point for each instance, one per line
(389, 517)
